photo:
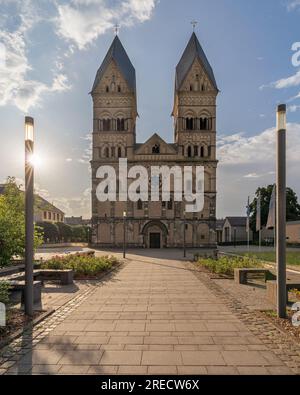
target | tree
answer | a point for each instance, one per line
(65, 232)
(292, 206)
(12, 223)
(50, 231)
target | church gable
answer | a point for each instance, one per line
(112, 81)
(155, 145)
(197, 79)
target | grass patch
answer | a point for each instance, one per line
(83, 266)
(292, 257)
(226, 265)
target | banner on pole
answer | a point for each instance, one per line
(258, 213)
(272, 210)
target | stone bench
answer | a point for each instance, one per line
(241, 274)
(272, 290)
(66, 277)
(17, 291)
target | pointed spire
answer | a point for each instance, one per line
(117, 53)
(191, 52)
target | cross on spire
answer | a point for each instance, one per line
(194, 24)
(116, 29)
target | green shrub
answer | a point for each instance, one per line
(4, 292)
(88, 266)
(226, 264)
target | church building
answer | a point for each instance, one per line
(151, 224)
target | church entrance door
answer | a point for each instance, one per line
(154, 240)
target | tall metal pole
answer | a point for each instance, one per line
(124, 234)
(184, 236)
(281, 211)
(29, 215)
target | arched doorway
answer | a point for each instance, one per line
(155, 234)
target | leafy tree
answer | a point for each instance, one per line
(12, 223)
(292, 206)
(65, 231)
(50, 231)
(79, 233)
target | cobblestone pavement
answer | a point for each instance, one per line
(154, 316)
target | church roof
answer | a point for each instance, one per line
(191, 52)
(117, 53)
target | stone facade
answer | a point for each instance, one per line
(154, 224)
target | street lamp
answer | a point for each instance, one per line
(124, 233)
(29, 214)
(184, 236)
(281, 211)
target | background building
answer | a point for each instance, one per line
(293, 232)
(234, 230)
(44, 211)
(155, 224)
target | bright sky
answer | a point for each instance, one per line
(51, 50)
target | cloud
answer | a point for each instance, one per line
(293, 108)
(247, 163)
(260, 149)
(16, 87)
(77, 23)
(294, 4)
(288, 82)
(81, 22)
(87, 153)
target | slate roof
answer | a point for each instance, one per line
(117, 53)
(237, 221)
(39, 202)
(191, 52)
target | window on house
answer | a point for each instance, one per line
(45, 214)
(49, 215)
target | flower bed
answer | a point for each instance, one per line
(84, 266)
(226, 265)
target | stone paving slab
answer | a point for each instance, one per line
(152, 317)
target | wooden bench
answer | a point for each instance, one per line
(272, 290)
(241, 274)
(17, 291)
(65, 277)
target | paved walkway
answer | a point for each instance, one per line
(153, 317)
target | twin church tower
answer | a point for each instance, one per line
(155, 224)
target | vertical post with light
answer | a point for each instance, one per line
(124, 234)
(29, 215)
(281, 211)
(184, 235)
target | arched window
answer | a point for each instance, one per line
(191, 87)
(120, 124)
(139, 205)
(196, 150)
(189, 122)
(107, 89)
(189, 151)
(106, 125)
(106, 152)
(119, 152)
(119, 88)
(156, 149)
(170, 204)
(202, 152)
